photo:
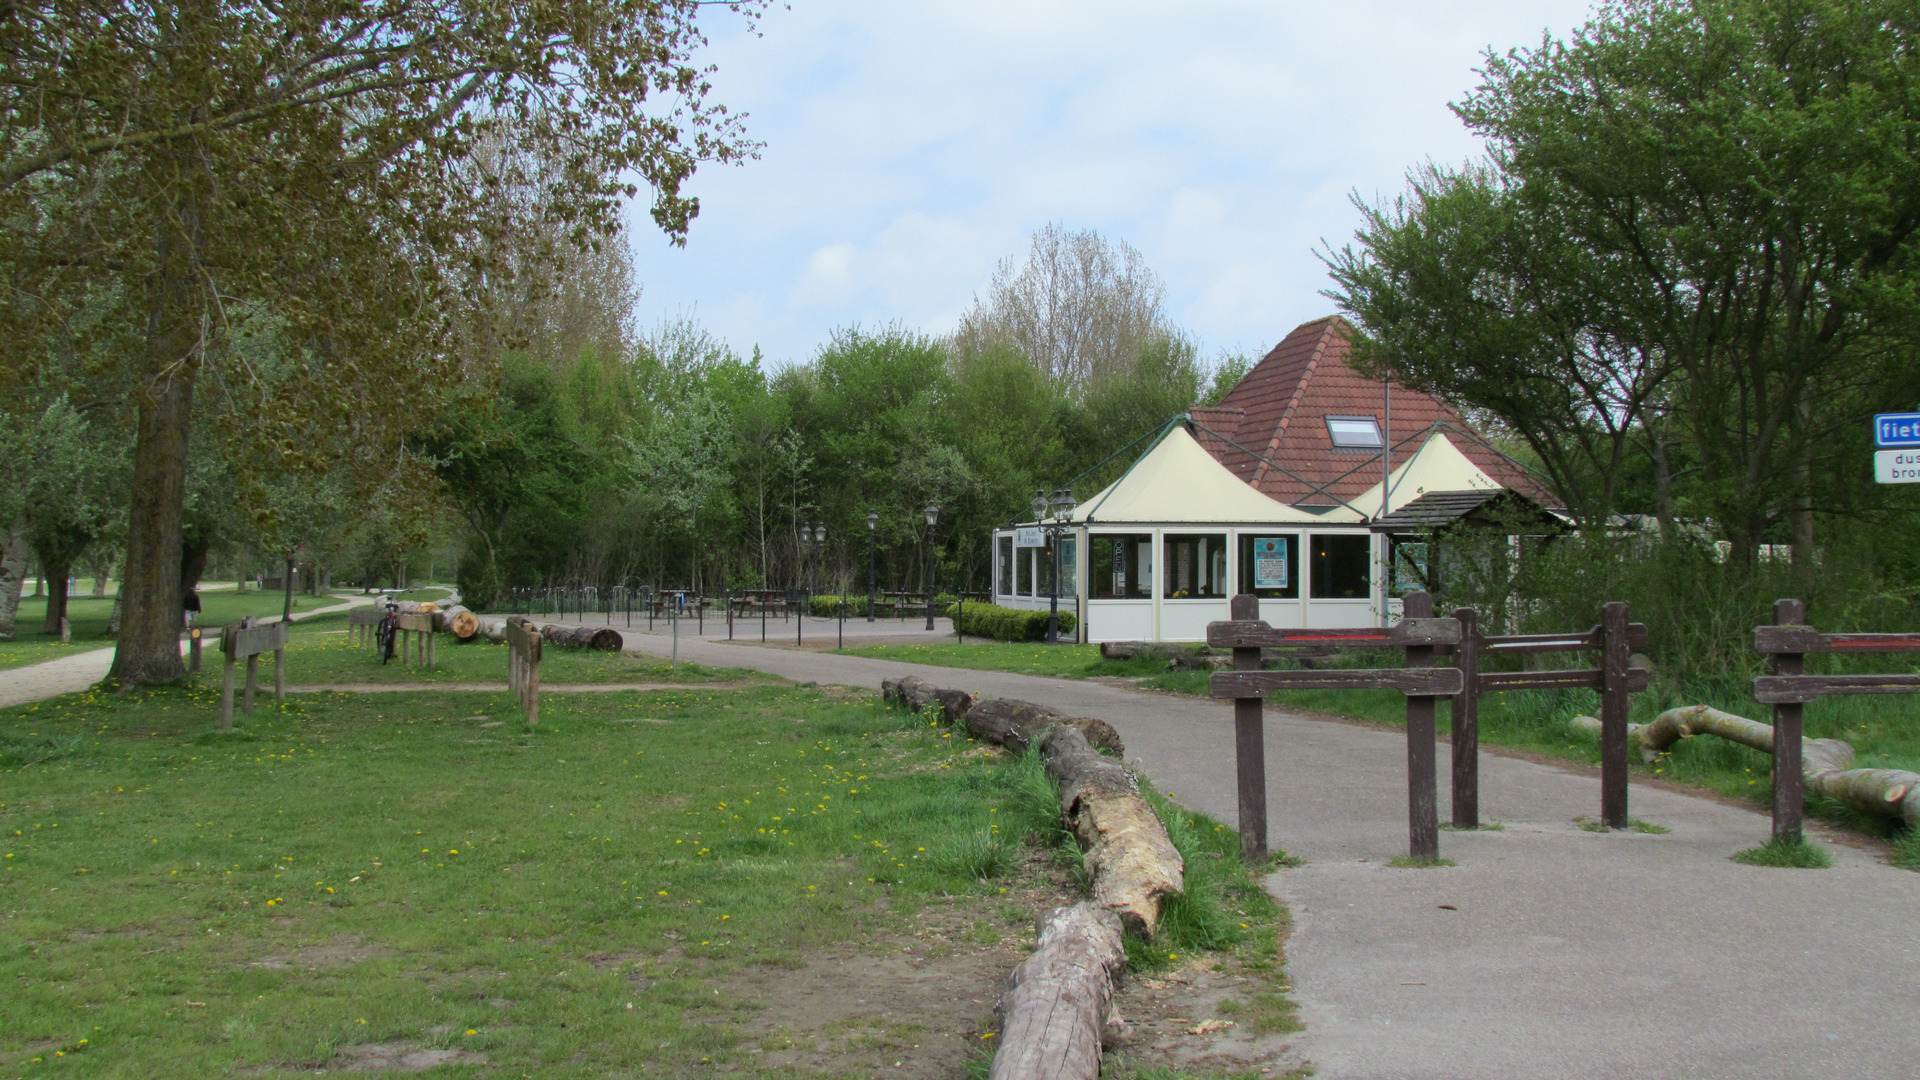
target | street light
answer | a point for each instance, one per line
(1057, 508)
(933, 516)
(873, 532)
(816, 536)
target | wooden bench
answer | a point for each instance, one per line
(523, 668)
(418, 629)
(363, 621)
(247, 644)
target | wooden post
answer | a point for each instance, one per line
(1249, 745)
(1787, 781)
(280, 675)
(193, 651)
(1466, 723)
(226, 695)
(1423, 814)
(253, 676)
(1614, 652)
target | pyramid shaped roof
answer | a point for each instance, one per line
(1177, 481)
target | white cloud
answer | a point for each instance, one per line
(910, 147)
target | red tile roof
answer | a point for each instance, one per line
(1270, 428)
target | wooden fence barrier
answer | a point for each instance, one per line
(362, 624)
(248, 644)
(1615, 639)
(523, 668)
(1419, 633)
(416, 636)
(1787, 644)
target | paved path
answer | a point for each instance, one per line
(70, 674)
(1566, 954)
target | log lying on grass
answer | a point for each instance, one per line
(918, 694)
(1129, 857)
(1057, 1007)
(458, 621)
(1018, 725)
(603, 638)
(1889, 793)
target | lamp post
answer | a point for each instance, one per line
(933, 517)
(873, 532)
(1056, 508)
(816, 537)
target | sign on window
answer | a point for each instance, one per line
(1029, 538)
(1270, 562)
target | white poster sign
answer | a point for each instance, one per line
(1270, 562)
(1896, 466)
(1030, 537)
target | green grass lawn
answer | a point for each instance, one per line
(624, 891)
(1026, 658)
(87, 619)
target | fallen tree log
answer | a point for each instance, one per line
(457, 620)
(1150, 650)
(1129, 857)
(1889, 793)
(1056, 1010)
(1018, 725)
(918, 694)
(603, 638)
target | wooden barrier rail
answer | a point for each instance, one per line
(1787, 644)
(247, 644)
(523, 667)
(363, 624)
(1419, 634)
(1615, 639)
(417, 631)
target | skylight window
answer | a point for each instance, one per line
(1354, 432)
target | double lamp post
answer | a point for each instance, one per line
(1051, 515)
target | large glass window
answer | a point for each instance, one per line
(1023, 563)
(1196, 566)
(1043, 568)
(1412, 568)
(1069, 565)
(1270, 565)
(1340, 565)
(1006, 566)
(1122, 568)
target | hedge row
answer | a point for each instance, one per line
(831, 607)
(1006, 624)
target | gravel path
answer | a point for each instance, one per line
(1549, 952)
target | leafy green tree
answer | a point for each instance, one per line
(1697, 227)
(73, 491)
(303, 157)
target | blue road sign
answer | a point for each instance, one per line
(1898, 429)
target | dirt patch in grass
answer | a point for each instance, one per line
(342, 951)
(1214, 1015)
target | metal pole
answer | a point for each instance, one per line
(729, 602)
(1053, 601)
(870, 574)
(763, 619)
(929, 577)
(840, 639)
(674, 618)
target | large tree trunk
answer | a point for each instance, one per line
(193, 562)
(56, 595)
(149, 646)
(14, 555)
(286, 583)
(1057, 1008)
(1890, 793)
(1129, 857)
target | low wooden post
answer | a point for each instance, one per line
(1614, 705)
(1466, 723)
(193, 651)
(1423, 798)
(418, 645)
(253, 677)
(280, 673)
(523, 668)
(1250, 744)
(1787, 781)
(226, 689)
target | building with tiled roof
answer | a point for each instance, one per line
(1278, 492)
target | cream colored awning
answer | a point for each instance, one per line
(1178, 482)
(1437, 466)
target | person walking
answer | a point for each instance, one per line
(190, 607)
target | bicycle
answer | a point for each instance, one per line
(386, 633)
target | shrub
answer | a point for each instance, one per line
(1006, 624)
(832, 607)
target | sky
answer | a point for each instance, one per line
(909, 147)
